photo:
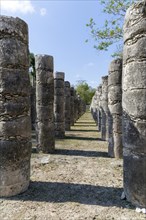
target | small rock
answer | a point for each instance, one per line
(123, 196)
(138, 210)
(143, 210)
(45, 160)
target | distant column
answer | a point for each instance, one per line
(75, 106)
(104, 108)
(100, 107)
(15, 122)
(98, 94)
(115, 148)
(67, 106)
(59, 104)
(44, 103)
(33, 107)
(72, 106)
(134, 104)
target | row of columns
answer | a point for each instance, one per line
(119, 108)
(49, 107)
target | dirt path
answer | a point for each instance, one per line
(78, 182)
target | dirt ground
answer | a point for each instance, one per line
(78, 182)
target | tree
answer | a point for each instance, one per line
(111, 32)
(85, 91)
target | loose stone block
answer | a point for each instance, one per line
(67, 106)
(115, 148)
(59, 104)
(104, 108)
(15, 122)
(44, 103)
(134, 104)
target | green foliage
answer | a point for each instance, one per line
(85, 91)
(111, 32)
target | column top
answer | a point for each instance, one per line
(12, 26)
(59, 75)
(44, 62)
(67, 84)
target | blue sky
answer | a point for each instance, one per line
(58, 28)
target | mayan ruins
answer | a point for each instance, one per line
(115, 148)
(104, 109)
(72, 105)
(44, 103)
(15, 124)
(67, 106)
(134, 105)
(59, 104)
(73, 142)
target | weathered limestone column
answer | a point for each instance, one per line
(134, 104)
(67, 106)
(75, 106)
(115, 148)
(15, 122)
(59, 104)
(72, 106)
(104, 109)
(33, 107)
(93, 107)
(100, 107)
(98, 94)
(44, 103)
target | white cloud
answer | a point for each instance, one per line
(14, 6)
(43, 11)
(90, 64)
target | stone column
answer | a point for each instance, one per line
(72, 106)
(33, 107)
(104, 109)
(67, 106)
(115, 148)
(59, 104)
(98, 94)
(75, 106)
(44, 103)
(100, 108)
(134, 104)
(93, 107)
(15, 122)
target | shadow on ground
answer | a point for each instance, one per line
(59, 192)
(82, 138)
(81, 153)
(81, 130)
(85, 123)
